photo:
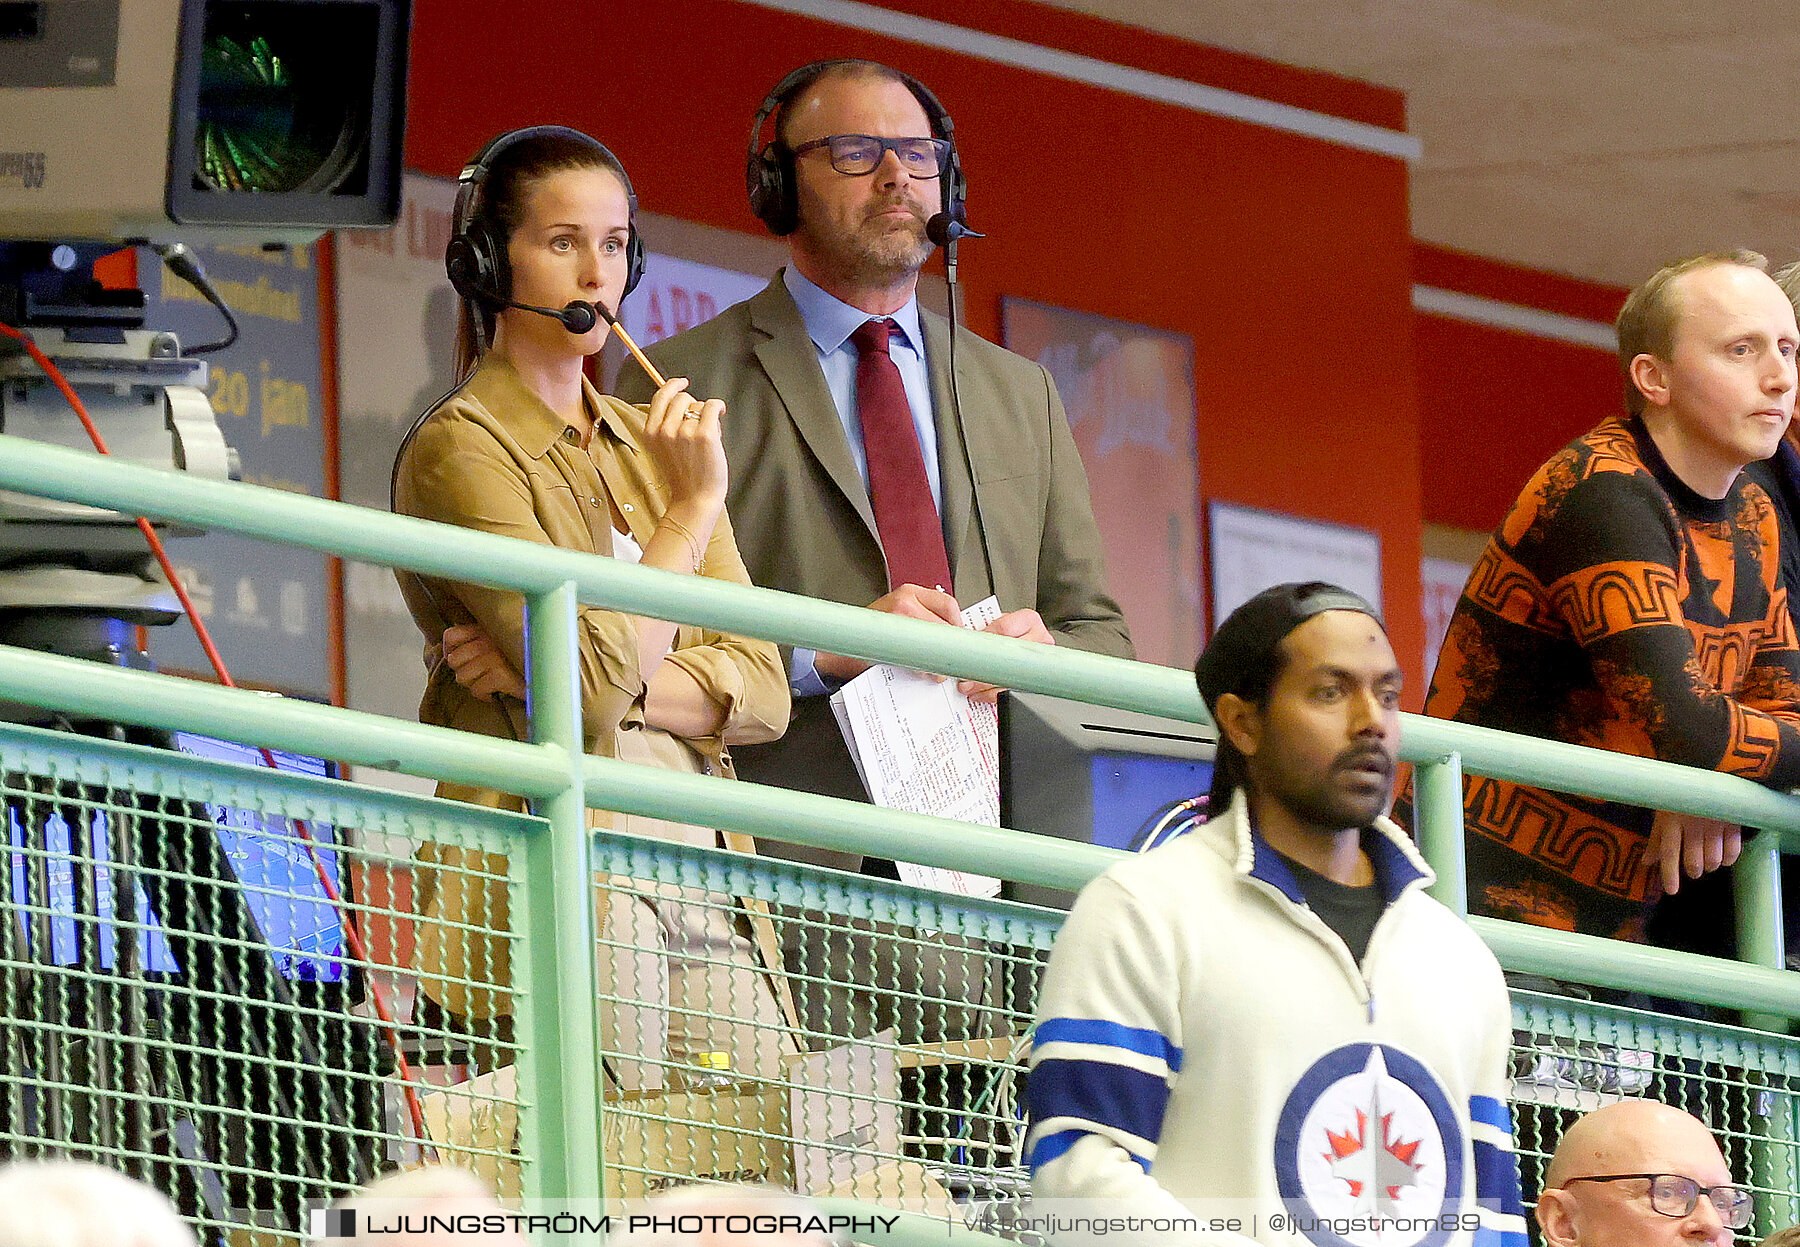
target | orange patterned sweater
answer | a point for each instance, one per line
(1615, 607)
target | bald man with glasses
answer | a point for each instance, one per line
(1640, 1174)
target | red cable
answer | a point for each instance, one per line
(351, 935)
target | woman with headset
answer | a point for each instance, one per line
(526, 447)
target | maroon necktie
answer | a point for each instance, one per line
(911, 535)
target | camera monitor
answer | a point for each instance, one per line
(270, 864)
(185, 120)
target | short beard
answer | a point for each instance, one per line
(1320, 804)
(886, 260)
(1321, 808)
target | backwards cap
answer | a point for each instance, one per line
(1244, 645)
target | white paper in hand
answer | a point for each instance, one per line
(921, 745)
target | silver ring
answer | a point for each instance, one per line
(690, 415)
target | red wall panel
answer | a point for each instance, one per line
(1496, 403)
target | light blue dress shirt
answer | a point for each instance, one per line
(829, 323)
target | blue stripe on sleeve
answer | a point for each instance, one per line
(1095, 1091)
(1052, 1146)
(1137, 1039)
(1488, 1236)
(1488, 1111)
(1497, 1179)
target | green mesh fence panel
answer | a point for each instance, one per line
(855, 1038)
(764, 1020)
(178, 999)
(759, 1019)
(1572, 1056)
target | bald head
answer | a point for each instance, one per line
(1630, 1137)
(1625, 1137)
(71, 1203)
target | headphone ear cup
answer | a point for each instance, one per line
(463, 266)
(787, 194)
(470, 263)
(772, 192)
(756, 184)
(634, 261)
(496, 270)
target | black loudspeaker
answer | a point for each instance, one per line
(476, 256)
(769, 168)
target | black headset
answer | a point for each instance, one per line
(476, 257)
(769, 169)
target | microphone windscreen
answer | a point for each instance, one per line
(579, 317)
(944, 229)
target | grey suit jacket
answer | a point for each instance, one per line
(1017, 520)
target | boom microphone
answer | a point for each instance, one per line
(944, 229)
(576, 316)
(579, 317)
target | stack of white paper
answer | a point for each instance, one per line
(921, 745)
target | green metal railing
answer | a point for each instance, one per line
(554, 972)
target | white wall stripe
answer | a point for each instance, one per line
(1531, 320)
(1169, 90)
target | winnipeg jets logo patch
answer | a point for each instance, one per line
(1368, 1152)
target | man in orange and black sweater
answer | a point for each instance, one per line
(1630, 601)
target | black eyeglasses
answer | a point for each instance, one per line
(858, 154)
(1675, 1196)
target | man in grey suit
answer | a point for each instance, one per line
(862, 158)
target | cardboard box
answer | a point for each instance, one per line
(653, 1141)
(480, 1113)
(902, 1184)
(844, 1111)
(650, 1140)
(848, 1146)
(258, 1236)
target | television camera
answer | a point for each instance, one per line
(159, 122)
(163, 123)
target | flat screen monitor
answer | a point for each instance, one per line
(278, 870)
(1093, 775)
(272, 865)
